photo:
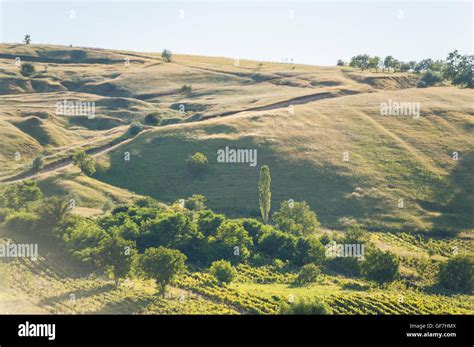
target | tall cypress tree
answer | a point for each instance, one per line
(265, 195)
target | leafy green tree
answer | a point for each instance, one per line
(51, 211)
(309, 273)
(309, 250)
(265, 194)
(412, 65)
(459, 69)
(195, 202)
(82, 240)
(27, 69)
(208, 222)
(254, 227)
(162, 265)
(197, 163)
(27, 39)
(305, 306)
(116, 255)
(380, 266)
(340, 62)
(374, 63)
(457, 274)
(38, 164)
(423, 65)
(404, 67)
(389, 62)
(361, 61)
(277, 244)
(166, 55)
(232, 242)
(152, 119)
(296, 218)
(84, 162)
(438, 65)
(430, 78)
(397, 64)
(223, 271)
(172, 229)
(19, 195)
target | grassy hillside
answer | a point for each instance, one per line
(335, 110)
(319, 129)
(390, 158)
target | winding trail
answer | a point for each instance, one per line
(117, 142)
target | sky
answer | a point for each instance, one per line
(308, 32)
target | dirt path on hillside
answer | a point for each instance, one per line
(282, 104)
(67, 161)
(96, 151)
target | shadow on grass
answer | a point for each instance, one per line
(457, 212)
(128, 305)
(158, 168)
(77, 294)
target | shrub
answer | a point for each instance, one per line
(82, 240)
(254, 227)
(457, 274)
(429, 78)
(305, 306)
(349, 266)
(152, 119)
(166, 55)
(356, 234)
(4, 212)
(208, 222)
(232, 242)
(27, 69)
(380, 266)
(22, 222)
(308, 273)
(186, 89)
(50, 211)
(19, 195)
(197, 163)
(85, 162)
(146, 201)
(135, 128)
(309, 250)
(277, 244)
(38, 164)
(195, 202)
(223, 271)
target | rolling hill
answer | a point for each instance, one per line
(321, 130)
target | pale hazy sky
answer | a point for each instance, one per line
(310, 32)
